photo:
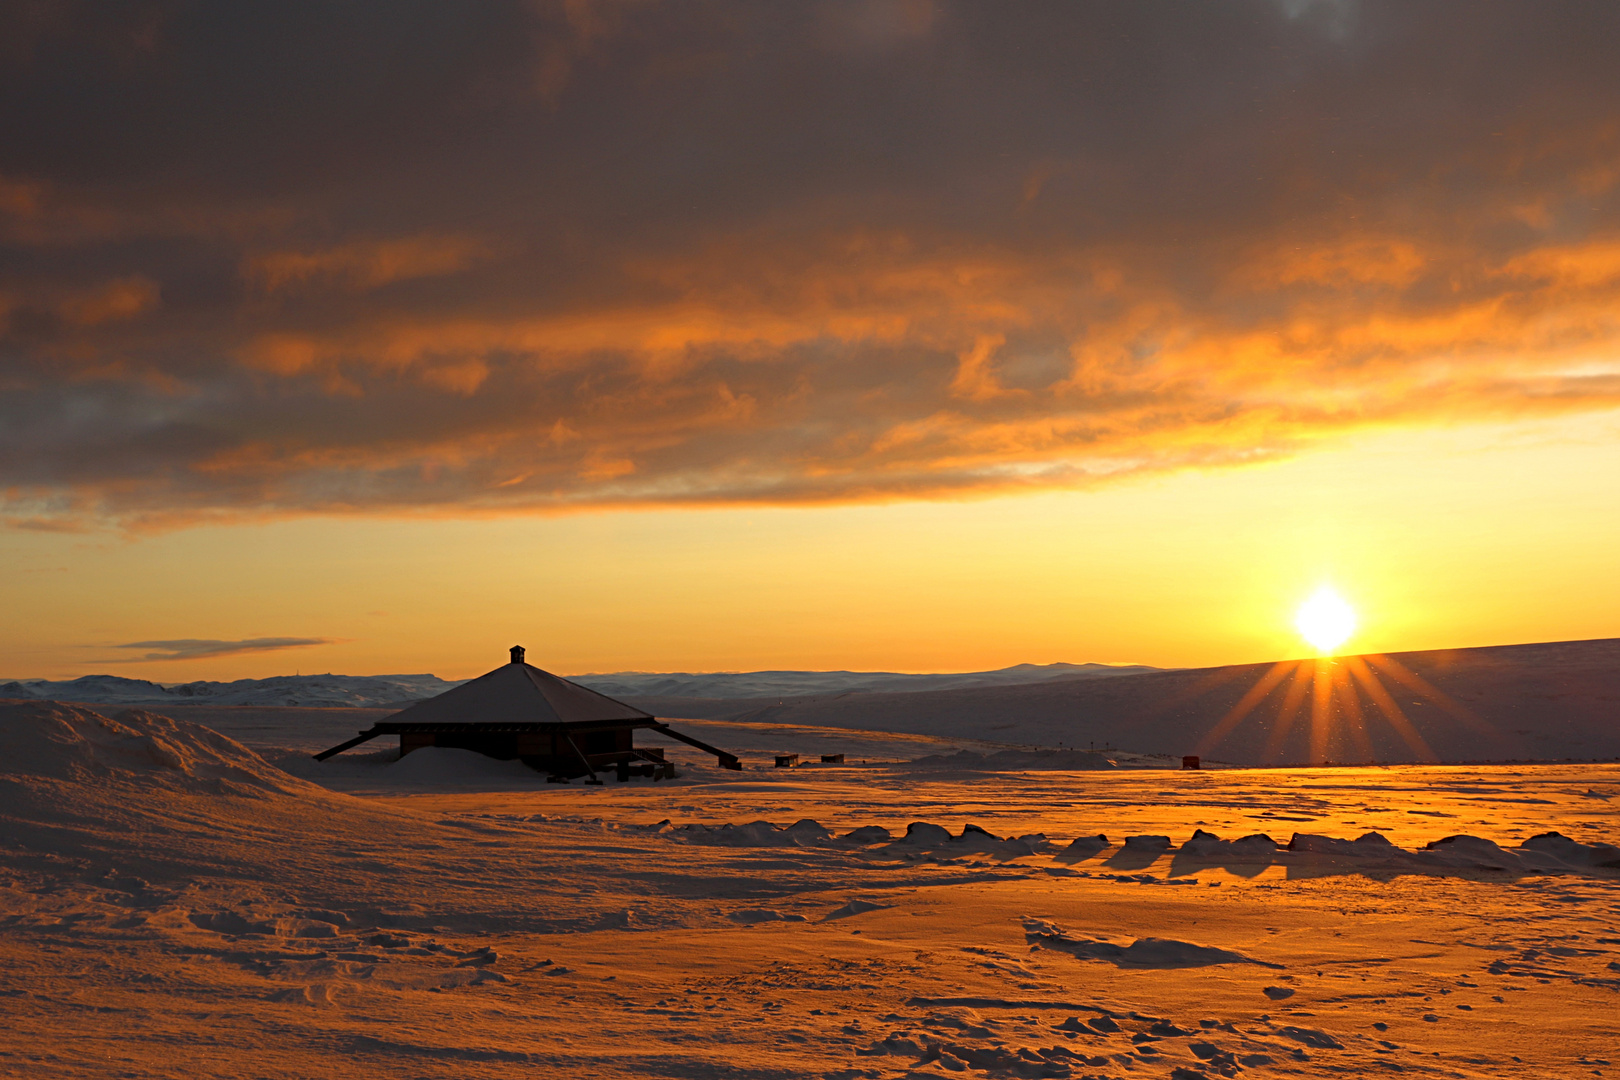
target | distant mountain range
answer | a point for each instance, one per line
(1547, 701)
(383, 691)
(318, 691)
(755, 684)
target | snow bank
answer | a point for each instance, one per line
(55, 741)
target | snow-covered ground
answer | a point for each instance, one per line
(176, 903)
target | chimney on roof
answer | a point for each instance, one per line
(517, 654)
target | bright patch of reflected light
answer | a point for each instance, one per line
(1325, 620)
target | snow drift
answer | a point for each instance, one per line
(57, 741)
(1145, 952)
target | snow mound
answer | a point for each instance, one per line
(1206, 845)
(1083, 848)
(430, 764)
(854, 907)
(805, 833)
(925, 838)
(1547, 853)
(55, 741)
(1558, 846)
(1142, 953)
(755, 916)
(1366, 846)
(1147, 843)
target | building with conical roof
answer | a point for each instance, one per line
(553, 725)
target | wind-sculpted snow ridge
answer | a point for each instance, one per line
(1014, 761)
(802, 834)
(923, 840)
(1208, 845)
(1142, 953)
(56, 741)
(1305, 854)
(1545, 853)
(1371, 853)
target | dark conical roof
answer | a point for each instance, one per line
(519, 693)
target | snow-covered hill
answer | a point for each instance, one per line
(355, 691)
(749, 684)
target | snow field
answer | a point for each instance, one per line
(173, 904)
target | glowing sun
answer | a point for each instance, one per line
(1325, 620)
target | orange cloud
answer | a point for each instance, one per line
(761, 388)
(1592, 263)
(1333, 261)
(121, 299)
(652, 256)
(365, 265)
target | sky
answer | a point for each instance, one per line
(871, 334)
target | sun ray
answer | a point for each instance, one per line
(1292, 701)
(1413, 681)
(1355, 721)
(1387, 705)
(1321, 709)
(1257, 693)
(1217, 677)
(1343, 693)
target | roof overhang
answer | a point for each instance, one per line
(396, 727)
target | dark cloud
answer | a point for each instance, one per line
(200, 648)
(412, 257)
